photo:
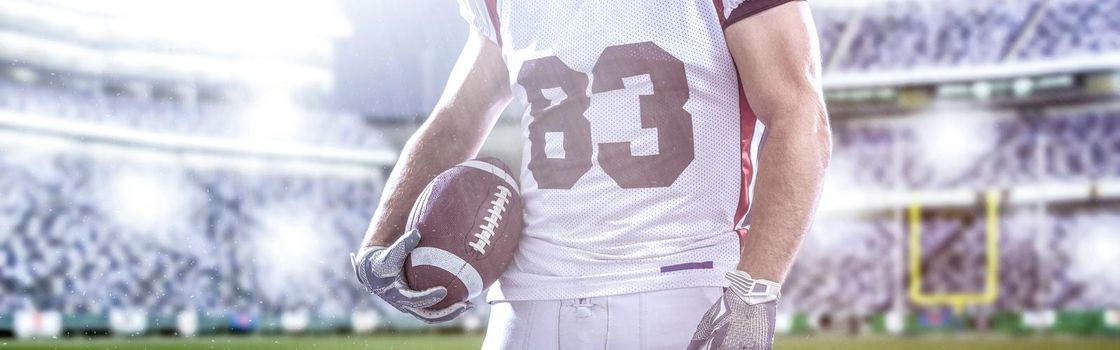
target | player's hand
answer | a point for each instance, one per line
(380, 271)
(743, 318)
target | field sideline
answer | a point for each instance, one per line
(450, 342)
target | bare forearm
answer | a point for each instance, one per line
(476, 94)
(791, 167)
(778, 57)
(429, 152)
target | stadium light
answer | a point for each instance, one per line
(273, 117)
(837, 193)
(290, 247)
(276, 18)
(982, 90)
(297, 243)
(1097, 252)
(200, 40)
(1023, 87)
(951, 138)
(24, 75)
(51, 133)
(824, 236)
(148, 202)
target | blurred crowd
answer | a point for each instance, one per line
(980, 151)
(221, 119)
(907, 33)
(267, 240)
(1048, 259)
(65, 245)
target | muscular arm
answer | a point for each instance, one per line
(475, 95)
(778, 58)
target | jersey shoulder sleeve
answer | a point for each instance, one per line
(482, 15)
(738, 10)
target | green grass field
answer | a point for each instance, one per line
(449, 342)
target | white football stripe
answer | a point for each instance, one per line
(421, 202)
(493, 169)
(452, 263)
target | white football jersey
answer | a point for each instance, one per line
(636, 161)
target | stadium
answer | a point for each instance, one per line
(187, 174)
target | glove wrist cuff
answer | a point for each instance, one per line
(753, 291)
(360, 263)
(365, 252)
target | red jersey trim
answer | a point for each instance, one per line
(719, 11)
(492, 9)
(747, 120)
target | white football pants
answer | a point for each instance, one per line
(653, 320)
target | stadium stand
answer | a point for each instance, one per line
(831, 25)
(225, 119)
(905, 34)
(1042, 260)
(1039, 245)
(1072, 27)
(64, 245)
(931, 33)
(1064, 146)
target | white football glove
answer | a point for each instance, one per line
(743, 318)
(380, 271)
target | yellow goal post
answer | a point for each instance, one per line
(958, 301)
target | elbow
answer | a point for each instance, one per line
(817, 132)
(805, 129)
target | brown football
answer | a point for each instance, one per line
(470, 221)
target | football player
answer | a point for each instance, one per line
(636, 169)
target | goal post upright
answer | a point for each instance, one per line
(957, 301)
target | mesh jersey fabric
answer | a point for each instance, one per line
(633, 169)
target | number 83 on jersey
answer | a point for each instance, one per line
(663, 111)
